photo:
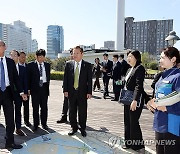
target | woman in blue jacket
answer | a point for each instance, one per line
(167, 118)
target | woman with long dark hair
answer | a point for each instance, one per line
(134, 82)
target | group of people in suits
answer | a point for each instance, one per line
(114, 70)
(18, 81)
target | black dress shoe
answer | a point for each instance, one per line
(13, 146)
(114, 100)
(62, 120)
(72, 132)
(83, 133)
(20, 132)
(28, 124)
(45, 127)
(35, 128)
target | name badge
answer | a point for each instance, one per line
(165, 81)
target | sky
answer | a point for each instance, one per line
(85, 22)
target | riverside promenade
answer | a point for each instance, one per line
(104, 116)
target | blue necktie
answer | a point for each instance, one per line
(3, 85)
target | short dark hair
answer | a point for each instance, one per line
(122, 56)
(137, 56)
(78, 47)
(22, 52)
(171, 52)
(2, 43)
(41, 52)
(116, 56)
(105, 54)
(16, 52)
(96, 59)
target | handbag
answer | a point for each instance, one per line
(126, 97)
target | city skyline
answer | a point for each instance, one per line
(87, 23)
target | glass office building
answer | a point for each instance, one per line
(55, 41)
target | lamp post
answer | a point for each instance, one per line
(172, 38)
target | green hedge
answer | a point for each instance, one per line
(56, 75)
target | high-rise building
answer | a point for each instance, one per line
(1, 31)
(55, 41)
(147, 36)
(34, 45)
(109, 44)
(16, 36)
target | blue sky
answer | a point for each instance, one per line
(84, 21)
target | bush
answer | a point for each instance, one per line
(153, 65)
(55, 75)
(59, 64)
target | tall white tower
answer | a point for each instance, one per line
(120, 24)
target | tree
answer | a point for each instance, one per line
(48, 60)
(30, 57)
(59, 64)
(145, 58)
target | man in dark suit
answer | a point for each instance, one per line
(17, 98)
(116, 76)
(38, 84)
(107, 73)
(124, 64)
(65, 109)
(8, 81)
(22, 62)
(77, 86)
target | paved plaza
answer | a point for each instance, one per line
(104, 126)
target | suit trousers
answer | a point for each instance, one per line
(77, 103)
(106, 83)
(6, 101)
(18, 104)
(26, 110)
(39, 100)
(172, 146)
(96, 83)
(116, 90)
(132, 128)
(65, 107)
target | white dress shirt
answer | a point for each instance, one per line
(127, 77)
(17, 67)
(5, 71)
(43, 72)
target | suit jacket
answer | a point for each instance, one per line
(23, 78)
(116, 71)
(125, 67)
(85, 79)
(107, 67)
(14, 80)
(97, 70)
(34, 77)
(135, 81)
